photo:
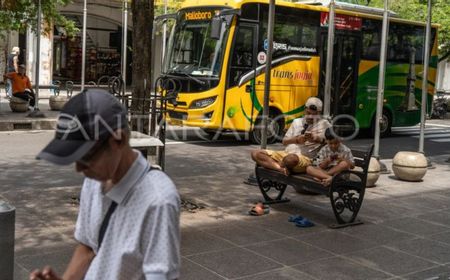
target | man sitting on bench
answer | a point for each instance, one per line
(21, 86)
(304, 139)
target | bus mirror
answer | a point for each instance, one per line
(216, 28)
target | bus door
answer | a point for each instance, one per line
(346, 57)
(239, 104)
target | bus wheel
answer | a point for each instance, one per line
(385, 125)
(275, 127)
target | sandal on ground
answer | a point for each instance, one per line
(304, 223)
(259, 209)
(295, 218)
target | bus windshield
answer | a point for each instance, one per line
(192, 51)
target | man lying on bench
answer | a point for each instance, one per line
(303, 140)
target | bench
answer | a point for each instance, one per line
(346, 191)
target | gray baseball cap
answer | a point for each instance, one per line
(87, 118)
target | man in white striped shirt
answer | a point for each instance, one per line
(128, 223)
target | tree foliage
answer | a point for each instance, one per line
(18, 15)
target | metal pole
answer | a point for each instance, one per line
(38, 56)
(381, 74)
(267, 73)
(426, 61)
(83, 50)
(329, 65)
(124, 42)
(36, 113)
(164, 32)
(7, 229)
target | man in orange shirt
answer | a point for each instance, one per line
(21, 86)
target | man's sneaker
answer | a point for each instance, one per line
(30, 108)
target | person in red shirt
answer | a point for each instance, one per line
(21, 85)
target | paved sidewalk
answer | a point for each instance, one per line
(20, 121)
(406, 234)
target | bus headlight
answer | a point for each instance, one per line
(203, 102)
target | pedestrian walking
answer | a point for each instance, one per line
(128, 222)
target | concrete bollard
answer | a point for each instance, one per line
(18, 105)
(409, 166)
(373, 173)
(7, 228)
(57, 102)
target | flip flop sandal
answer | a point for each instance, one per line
(259, 211)
(295, 218)
(304, 223)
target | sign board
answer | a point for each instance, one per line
(342, 22)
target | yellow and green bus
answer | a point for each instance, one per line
(217, 51)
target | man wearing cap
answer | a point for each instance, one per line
(12, 67)
(21, 85)
(304, 138)
(128, 222)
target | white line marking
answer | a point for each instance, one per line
(441, 140)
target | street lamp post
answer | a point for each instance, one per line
(380, 92)
(124, 44)
(426, 61)
(36, 112)
(265, 115)
(83, 48)
(329, 64)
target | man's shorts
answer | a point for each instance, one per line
(303, 161)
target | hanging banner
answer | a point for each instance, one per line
(342, 22)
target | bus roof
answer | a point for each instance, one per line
(316, 5)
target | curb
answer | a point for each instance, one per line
(31, 124)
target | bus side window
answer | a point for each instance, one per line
(242, 54)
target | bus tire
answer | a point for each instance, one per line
(385, 125)
(275, 128)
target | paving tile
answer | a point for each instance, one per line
(425, 248)
(430, 200)
(58, 260)
(29, 241)
(286, 273)
(415, 226)
(377, 233)
(377, 212)
(340, 268)
(235, 262)
(289, 251)
(194, 242)
(390, 260)
(244, 234)
(440, 217)
(336, 241)
(441, 237)
(192, 271)
(20, 273)
(279, 223)
(436, 273)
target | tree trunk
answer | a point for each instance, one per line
(142, 57)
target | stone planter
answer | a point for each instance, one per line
(409, 166)
(57, 102)
(18, 105)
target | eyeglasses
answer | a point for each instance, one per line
(93, 152)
